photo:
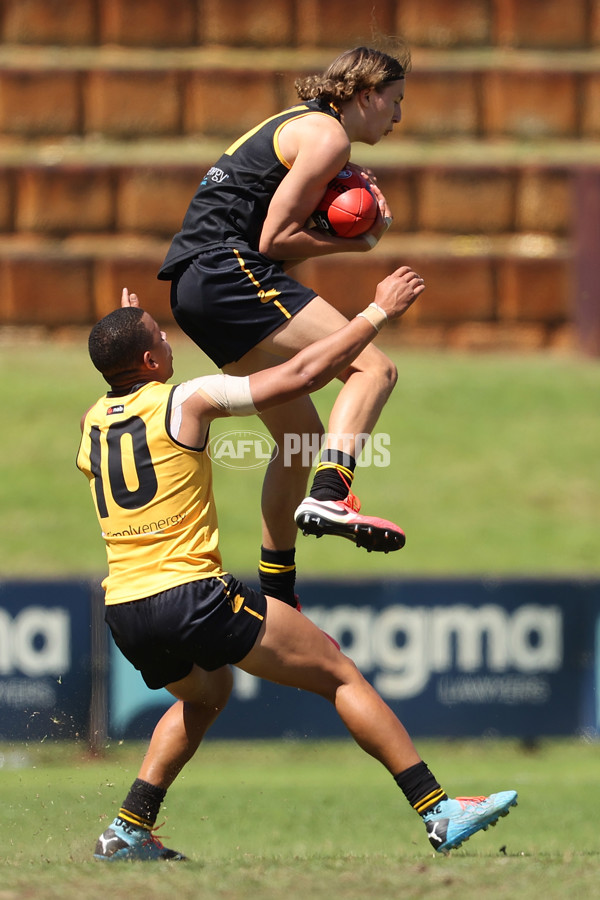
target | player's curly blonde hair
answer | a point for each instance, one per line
(355, 70)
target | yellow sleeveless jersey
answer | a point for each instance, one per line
(153, 496)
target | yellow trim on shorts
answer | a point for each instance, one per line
(254, 613)
(263, 296)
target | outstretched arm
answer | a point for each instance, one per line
(307, 371)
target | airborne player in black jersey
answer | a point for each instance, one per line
(246, 226)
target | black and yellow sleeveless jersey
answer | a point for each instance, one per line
(153, 496)
(231, 203)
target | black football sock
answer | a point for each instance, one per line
(334, 476)
(142, 804)
(277, 574)
(420, 788)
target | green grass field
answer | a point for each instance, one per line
(494, 468)
(275, 820)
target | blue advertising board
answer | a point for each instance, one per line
(452, 657)
(462, 657)
(45, 667)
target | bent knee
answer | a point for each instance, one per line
(389, 374)
(343, 673)
(378, 367)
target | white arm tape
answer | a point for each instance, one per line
(223, 391)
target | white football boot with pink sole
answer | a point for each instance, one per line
(342, 518)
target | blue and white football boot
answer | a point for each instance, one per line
(123, 841)
(453, 821)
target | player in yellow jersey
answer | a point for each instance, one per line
(173, 610)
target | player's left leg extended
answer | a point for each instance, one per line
(291, 650)
(202, 695)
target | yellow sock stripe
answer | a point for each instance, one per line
(429, 800)
(275, 568)
(339, 468)
(134, 820)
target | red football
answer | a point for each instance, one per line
(347, 208)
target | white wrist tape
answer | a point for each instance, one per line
(375, 315)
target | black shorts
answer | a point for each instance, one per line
(227, 300)
(210, 622)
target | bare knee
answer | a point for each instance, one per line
(343, 674)
(378, 368)
(387, 376)
(391, 374)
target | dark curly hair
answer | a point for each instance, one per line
(117, 342)
(355, 70)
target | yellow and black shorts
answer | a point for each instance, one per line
(228, 299)
(210, 622)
